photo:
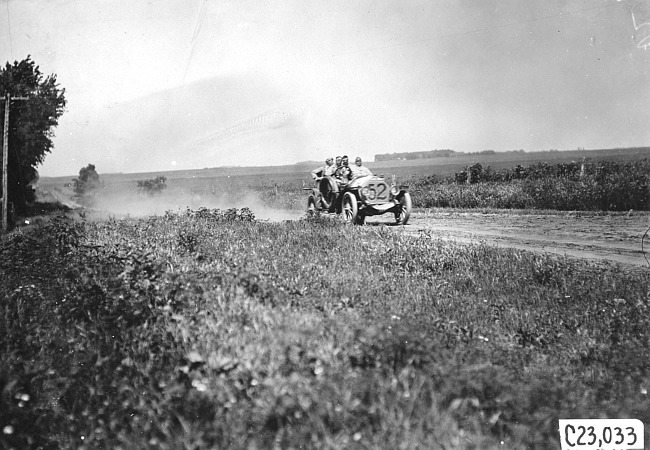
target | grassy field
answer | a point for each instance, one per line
(447, 167)
(404, 169)
(209, 329)
(615, 180)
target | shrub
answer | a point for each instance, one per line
(600, 186)
(152, 186)
(88, 180)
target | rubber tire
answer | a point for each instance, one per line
(349, 207)
(329, 190)
(311, 206)
(402, 217)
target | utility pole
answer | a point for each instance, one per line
(5, 159)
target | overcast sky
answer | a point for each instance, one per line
(175, 84)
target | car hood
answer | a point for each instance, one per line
(359, 181)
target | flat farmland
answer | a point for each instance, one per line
(275, 193)
(593, 236)
(236, 177)
(280, 187)
(131, 327)
(205, 329)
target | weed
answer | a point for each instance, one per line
(210, 329)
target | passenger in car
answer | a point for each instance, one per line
(343, 173)
(324, 171)
(359, 170)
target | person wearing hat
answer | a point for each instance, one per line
(324, 171)
(338, 164)
(343, 173)
(359, 170)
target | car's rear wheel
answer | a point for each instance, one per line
(350, 209)
(311, 206)
(404, 212)
(329, 190)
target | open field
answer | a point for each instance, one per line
(596, 236)
(403, 169)
(277, 195)
(281, 187)
(204, 328)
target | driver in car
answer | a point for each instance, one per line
(343, 173)
(338, 164)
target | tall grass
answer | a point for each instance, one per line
(592, 186)
(588, 186)
(209, 329)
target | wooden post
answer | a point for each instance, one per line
(5, 163)
(5, 159)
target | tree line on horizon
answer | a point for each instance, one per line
(444, 153)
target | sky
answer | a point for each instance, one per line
(183, 84)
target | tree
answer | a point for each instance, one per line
(31, 125)
(88, 180)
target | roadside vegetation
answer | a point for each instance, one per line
(209, 329)
(587, 186)
(603, 185)
(152, 186)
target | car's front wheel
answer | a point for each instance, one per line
(350, 209)
(404, 212)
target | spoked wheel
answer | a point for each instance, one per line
(329, 190)
(350, 209)
(311, 207)
(404, 212)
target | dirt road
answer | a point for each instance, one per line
(611, 237)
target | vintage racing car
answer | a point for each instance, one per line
(361, 197)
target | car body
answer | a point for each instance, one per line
(359, 198)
